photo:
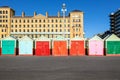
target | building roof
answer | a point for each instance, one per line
(57, 16)
(76, 11)
(22, 17)
(4, 7)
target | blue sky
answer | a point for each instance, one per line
(96, 12)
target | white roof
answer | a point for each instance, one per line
(59, 38)
(113, 37)
(95, 38)
(25, 38)
(42, 38)
(77, 38)
(8, 38)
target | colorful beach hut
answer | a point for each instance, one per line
(42, 46)
(96, 46)
(77, 46)
(112, 45)
(8, 46)
(25, 46)
(0, 47)
(59, 47)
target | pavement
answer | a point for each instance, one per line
(59, 68)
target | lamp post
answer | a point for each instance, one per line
(63, 11)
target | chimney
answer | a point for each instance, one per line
(23, 14)
(58, 14)
(35, 13)
(46, 14)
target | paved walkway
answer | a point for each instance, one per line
(59, 68)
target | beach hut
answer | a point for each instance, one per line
(0, 47)
(8, 46)
(77, 46)
(42, 46)
(59, 47)
(96, 46)
(25, 46)
(112, 45)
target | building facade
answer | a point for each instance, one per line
(38, 24)
(115, 22)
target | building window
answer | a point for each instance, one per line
(16, 21)
(27, 30)
(48, 30)
(3, 12)
(6, 20)
(23, 30)
(43, 20)
(20, 26)
(48, 25)
(20, 21)
(31, 25)
(68, 21)
(68, 25)
(48, 21)
(60, 21)
(15, 30)
(0, 16)
(12, 21)
(52, 21)
(56, 30)
(68, 30)
(52, 30)
(56, 25)
(39, 25)
(60, 30)
(60, 25)
(0, 12)
(39, 30)
(6, 12)
(2, 36)
(24, 21)
(56, 21)
(28, 21)
(28, 26)
(52, 25)
(35, 20)
(12, 30)
(44, 30)
(39, 20)
(23, 25)
(2, 30)
(32, 21)
(44, 25)
(19, 30)
(0, 20)
(31, 30)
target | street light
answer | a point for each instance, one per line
(63, 11)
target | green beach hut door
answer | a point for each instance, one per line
(113, 47)
(8, 47)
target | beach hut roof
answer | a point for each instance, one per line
(59, 38)
(25, 38)
(77, 38)
(113, 37)
(42, 38)
(95, 38)
(8, 38)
